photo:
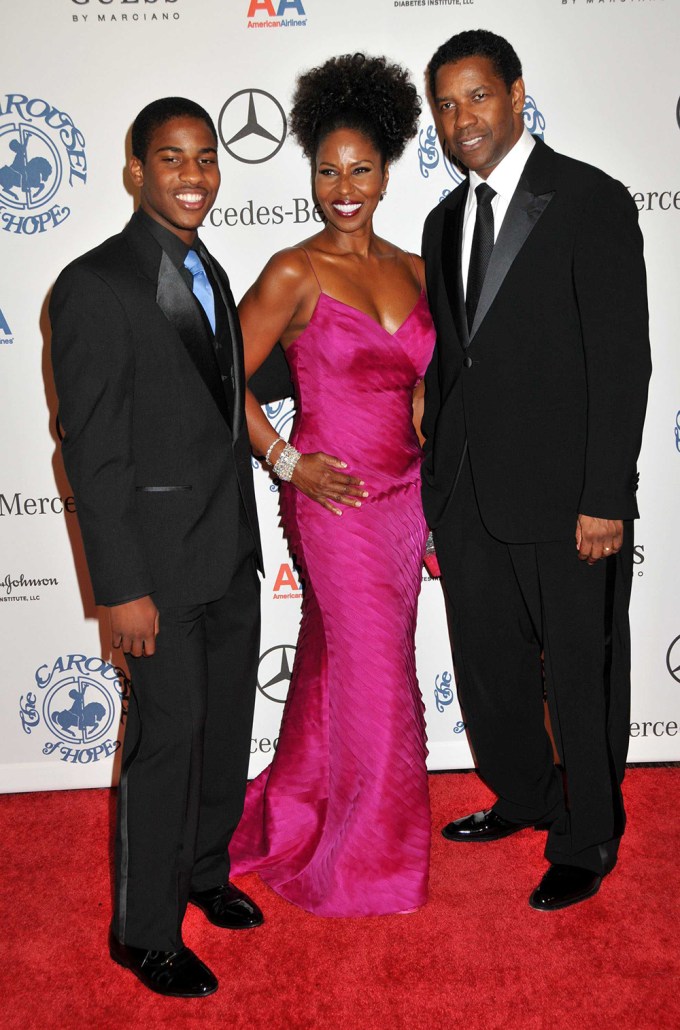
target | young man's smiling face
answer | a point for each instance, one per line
(179, 177)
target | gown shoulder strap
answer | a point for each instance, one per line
(415, 267)
(311, 265)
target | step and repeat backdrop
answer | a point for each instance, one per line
(603, 86)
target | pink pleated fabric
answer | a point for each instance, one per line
(339, 823)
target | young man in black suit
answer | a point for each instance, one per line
(148, 363)
(534, 408)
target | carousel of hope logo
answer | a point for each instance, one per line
(42, 160)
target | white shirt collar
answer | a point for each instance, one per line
(506, 175)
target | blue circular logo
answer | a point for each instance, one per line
(42, 163)
(79, 710)
(31, 172)
(80, 700)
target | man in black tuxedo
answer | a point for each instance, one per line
(148, 363)
(534, 407)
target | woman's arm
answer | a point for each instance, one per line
(419, 392)
(266, 312)
(418, 408)
(278, 307)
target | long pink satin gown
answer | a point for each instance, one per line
(339, 823)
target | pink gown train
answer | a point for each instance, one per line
(339, 823)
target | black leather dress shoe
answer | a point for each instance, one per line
(564, 885)
(482, 826)
(177, 974)
(228, 907)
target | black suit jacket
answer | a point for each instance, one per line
(548, 390)
(156, 456)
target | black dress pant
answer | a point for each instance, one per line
(185, 758)
(508, 604)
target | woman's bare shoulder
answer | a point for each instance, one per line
(290, 265)
(285, 278)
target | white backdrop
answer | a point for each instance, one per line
(604, 86)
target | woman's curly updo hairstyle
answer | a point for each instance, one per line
(356, 92)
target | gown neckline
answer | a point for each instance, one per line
(358, 311)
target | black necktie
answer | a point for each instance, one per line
(482, 245)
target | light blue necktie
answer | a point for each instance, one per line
(202, 289)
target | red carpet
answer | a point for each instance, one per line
(476, 957)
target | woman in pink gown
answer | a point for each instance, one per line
(339, 823)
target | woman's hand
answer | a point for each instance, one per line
(316, 476)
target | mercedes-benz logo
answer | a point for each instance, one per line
(252, 126)
(673, 659)
(274, 672)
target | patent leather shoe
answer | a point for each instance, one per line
(564, 885)
(482, 826)
(228, 907)
(177, 974)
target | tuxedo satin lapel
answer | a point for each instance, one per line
(222, 280)
(451, 265)
(177, 303)
(523, 213)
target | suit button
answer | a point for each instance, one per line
(467, 362)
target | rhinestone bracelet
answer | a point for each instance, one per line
(272, 445)
(284, 467)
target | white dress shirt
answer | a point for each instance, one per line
(503, 179)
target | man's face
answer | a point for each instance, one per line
(179, 178)
(480, 119)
